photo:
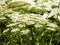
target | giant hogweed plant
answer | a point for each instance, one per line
(24, 24)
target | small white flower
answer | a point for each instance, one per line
(55, 16)
(2, 1)
(14, 30)
(45, 15)
(39, 1)
(56, 1)
(30, 22)
(51, 29)
(25, 31)
(21, 25)
(6, 30)
(43, 21)
(38, 25)
(15, 0)
(48, 8)
(52, 25)
(28, 1)
(58, 17)
(12, 24)
(14, 16)
(54, 12)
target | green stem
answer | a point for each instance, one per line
(20, 40)
(32, 36)
(50, 43)
(31, 28)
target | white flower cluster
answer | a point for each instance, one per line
(54, 12)
(48, 5)
(14, 30)
(52, 8)
(27, 18)
(14, 16)
(28, 1)
(2, 1)
(26, 31)
(51, 26)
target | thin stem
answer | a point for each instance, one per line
(31, 28)
(50, 43)
(32, 36)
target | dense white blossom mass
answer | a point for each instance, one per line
(51, 6)
(30, 18)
